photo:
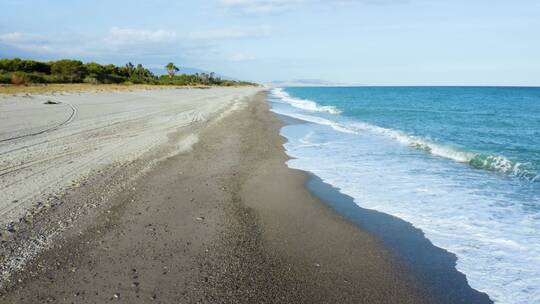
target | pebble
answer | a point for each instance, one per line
(11, 227)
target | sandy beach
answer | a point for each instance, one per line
(270, 151)
(189, 201)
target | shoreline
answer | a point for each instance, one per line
(373, 151)
(226, 220)
(432, 266)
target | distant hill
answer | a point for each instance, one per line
(306, 83)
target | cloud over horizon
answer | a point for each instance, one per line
(132, 42)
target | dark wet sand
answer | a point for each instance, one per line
(433, 267)
(226, 223)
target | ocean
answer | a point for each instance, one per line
(460, 163)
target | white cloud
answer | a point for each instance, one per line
(129, 35)
(260, 6)
(278, 6)
(11, 37)
(59, 45)
(130, 44)
(26, 42)
(231, 33)
(118, 36)
(241, 57)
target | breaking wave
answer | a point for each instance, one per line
(303, 103)
(476, 160)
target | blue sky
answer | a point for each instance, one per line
(376, 42)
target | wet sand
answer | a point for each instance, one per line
(225, 221)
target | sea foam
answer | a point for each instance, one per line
(477, 160)
(489, 221)
(303, 103)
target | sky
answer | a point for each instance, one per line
(368, 42)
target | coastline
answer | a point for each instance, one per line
(225, 221)
(433, 267)
(466, 193)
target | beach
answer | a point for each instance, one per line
(269, 151)
(217, 217)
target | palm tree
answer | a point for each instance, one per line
(171, 69)
(130, 68)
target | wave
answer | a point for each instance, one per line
(497, 238)
(318, 120)
(303, 103)
(502, 164)
(489, 162)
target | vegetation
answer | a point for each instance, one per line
(171, 69)
(22, 72)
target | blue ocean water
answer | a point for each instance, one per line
(460, 163)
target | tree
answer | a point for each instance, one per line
(130, 68)
(171, 69)
(28, 66)
(95, 71)
(23, 71)
(68, 70)
(205, 78)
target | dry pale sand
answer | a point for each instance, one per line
(80, 87)
(216, 218)
(44, 148)
(49, 150)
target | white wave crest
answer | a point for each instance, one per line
(304, 104)
(418, 143)
(489, 162)
(317, 120)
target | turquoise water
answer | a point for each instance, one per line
(460, 163)
(499, 126)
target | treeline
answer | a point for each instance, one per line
(21, 72)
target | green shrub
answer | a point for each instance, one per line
(68, 70)
(91, 80)
(36, 77)
(19, 78)
(21, 71)
(28, 66)
(5, 78)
